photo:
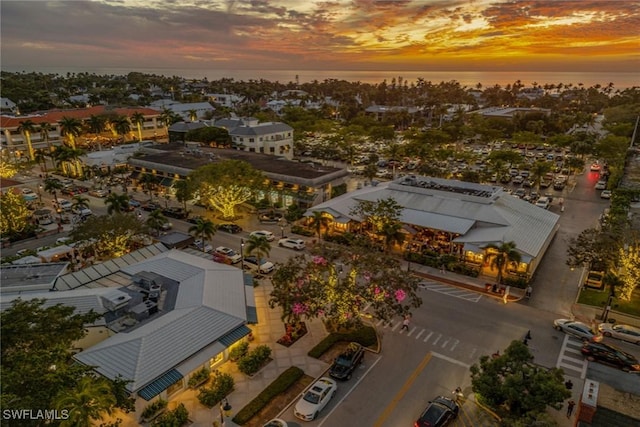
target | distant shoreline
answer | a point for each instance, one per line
(621, 80)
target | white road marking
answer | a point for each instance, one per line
(428, 336)
(418, 336)
(451, 360)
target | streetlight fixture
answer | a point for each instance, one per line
(283, 224)
(40, 193)
(242, 254)
(607, 307)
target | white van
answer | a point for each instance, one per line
(543, 202)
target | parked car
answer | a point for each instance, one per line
(558, 185)
(609, 355)
(151, 206)
(229, 253)
(64, 205)
(344, 365)
(221, 258)
(98, 193)
(601, 185)
(198, 244)
(520, 192)
(177, 213)
(606, 194)
(297, 244)
(594, 279)
(230, 228)
(577, 329)
(264, 233)
(315, 399)
(82, 212)
(262, 267)
(543, 202)
(134, 203)
(166, 226)
(440, 412)
(621, 332)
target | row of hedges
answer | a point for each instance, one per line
(175, 418)
(296, 229)
(450, 262)
(254, 360)
(238, 351)
(279, 385)
(365, 336)
(221, 386)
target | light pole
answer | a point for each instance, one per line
(607, 307)
(225, 410)
(40, 193)
(242, 254)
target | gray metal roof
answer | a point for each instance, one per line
(210, 303)
(260, 129)
(30, 277)
(481, 214)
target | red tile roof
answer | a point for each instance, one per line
(54, 116)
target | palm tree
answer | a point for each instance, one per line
(148, 182)
(117, 203)
(183, 192)
(44, 129)
(156, 220)
(318, 222)
(68, 160)
(259, 246)
(137, 119)
(87, 402)
(96, 125)
(71, 128)
(27, 127)
(52, 187)
(204, 228)
(167, 117)
(40, 157)
(501, 256)
(79, 203)
(121, 125)
(193, 115)
(391, 232)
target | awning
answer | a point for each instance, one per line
(166, 182)
(195, 362)
(160, 384)
(235, 335)
(134, 175)
(252, 315)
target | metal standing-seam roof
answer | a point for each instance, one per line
(209, 305)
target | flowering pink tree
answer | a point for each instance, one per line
(338, 283)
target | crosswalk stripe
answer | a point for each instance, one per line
(428, 336)
(445, 343)
(412, 331)
(437, 339)
(420, 333)
(455, 345)
(396, 326)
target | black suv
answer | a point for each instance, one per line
(344, 365)
(177, 213)
(230, 228)
(609, 355)
(440, 412)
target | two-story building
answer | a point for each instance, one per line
(248, 134)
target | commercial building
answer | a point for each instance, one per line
(457, 218)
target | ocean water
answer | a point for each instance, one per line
(620, 80)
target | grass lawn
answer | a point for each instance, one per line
(599, 299)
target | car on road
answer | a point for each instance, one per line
(440, 412)
(99, 193)
(172, 212)
(63, 240)
(151, 207)
(610, 355)
(229, 253)
(230, 228)
(263, 233)
(344, 365)
(166, 226)
(276, 422)
(601, 185)
(595, 167)
(315, 399)
(297, 244)
(194, 219)
(263, 266)
(198, 244)
(621, 332)
(606, 194)
(577, 329)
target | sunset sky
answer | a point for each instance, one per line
(425, 35)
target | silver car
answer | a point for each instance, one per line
(621, 332)
(577, 329)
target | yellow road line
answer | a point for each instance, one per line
(400, 394)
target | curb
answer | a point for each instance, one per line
(510, 298)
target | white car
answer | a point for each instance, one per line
(577, 329)
(601, 185)
(263, 266)
(64, 204)
(229, 253)
(315, 399)
(606, 194)
(264, 233)
(621, 332)
(297, 244)
(198, 244)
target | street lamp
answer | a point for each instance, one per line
(242, 254)
(607, 307)
(40, 193)
(225, 410)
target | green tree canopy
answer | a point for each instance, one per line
(227, 184)
(515, 388)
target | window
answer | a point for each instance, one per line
(252, 140)
(175, 387)
(215, 360)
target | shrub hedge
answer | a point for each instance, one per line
(279, 385)
(175, 418)
(221, 386)
(365, 336)
(254, 360)
(238, 351)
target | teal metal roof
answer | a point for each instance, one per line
(235, 335)
(161, 384)
(252, 314)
